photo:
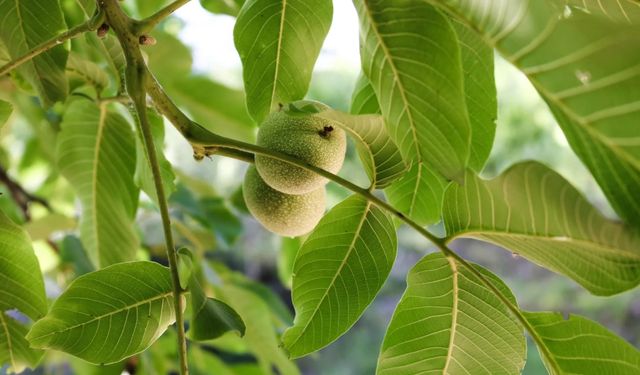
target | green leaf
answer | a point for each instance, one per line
(448, 322)
(217, 107)
(143, 175)
(96, 153)
(260, 335)
(25, 25)
(211, 318)
(338, 272)
(418, 194)
(21, 284)
(185, 267)
(480, 92)
(580, 346)
(536, 213)
(108, 315)
(363, 99)
(14, 348)
(583, 68)
(410, 54)
(5, 111)
(279, 42)
(230, 7)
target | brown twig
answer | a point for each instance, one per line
(22, 197)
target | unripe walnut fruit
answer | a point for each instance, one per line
(312, 139)
(283, 214)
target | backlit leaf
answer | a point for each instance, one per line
(279, 42)
(338, 272)
(580, 346)
(448, 322)
(96, 153)
(534, 212)
(108, 315)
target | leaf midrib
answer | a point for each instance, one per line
(454, 313)
(338, 272)
(278, 53)
(94, 181)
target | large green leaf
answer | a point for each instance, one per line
(580, 346)
(338, 272)
(448, 322)
(411, 56)
(5, 112)
(279, 42)
(108, 315)
(14, 348)
(21, 284)
(479, 91)
(536, 213)
(24, 24)
(584, 68)
(97, 154)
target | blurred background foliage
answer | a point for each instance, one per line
(196, 62)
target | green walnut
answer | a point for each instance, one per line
(312, 139)
(283, 214)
